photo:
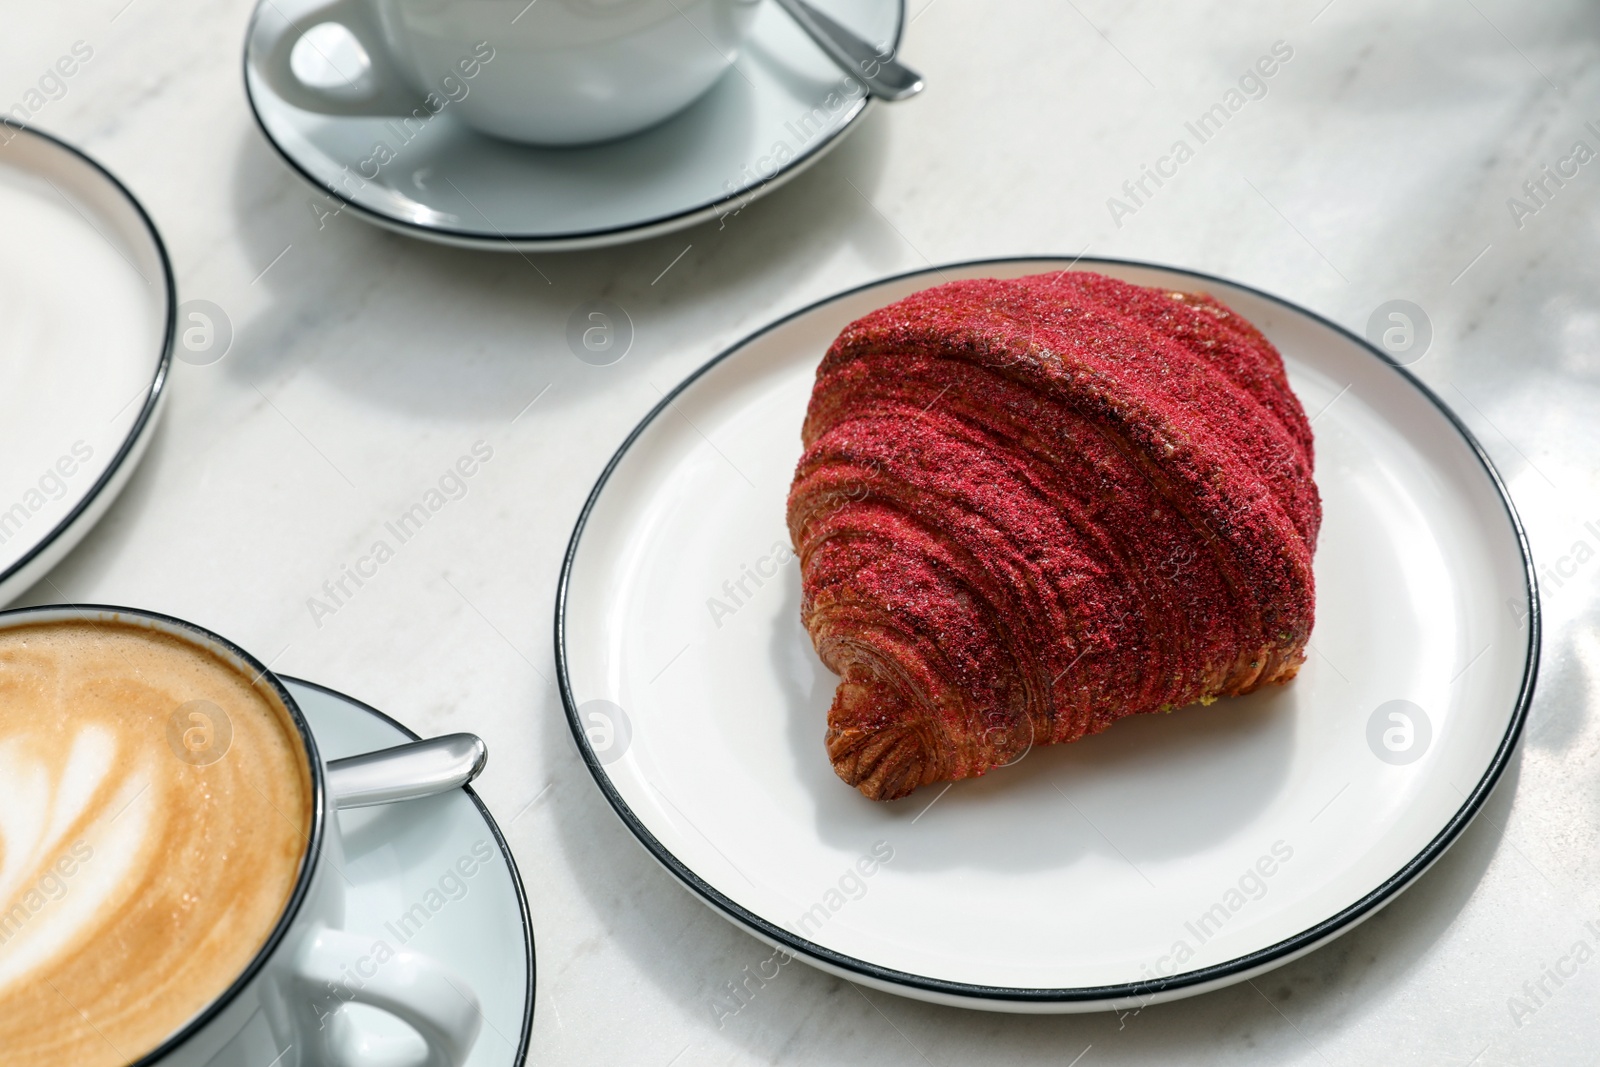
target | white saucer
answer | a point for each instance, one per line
(1169, 855)
(396, 853)
(86, 328)
(745, 137)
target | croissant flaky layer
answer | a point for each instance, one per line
(1030, 507)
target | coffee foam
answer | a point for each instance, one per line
(135, 884)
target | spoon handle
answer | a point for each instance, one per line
(406, 772)
(884, 76)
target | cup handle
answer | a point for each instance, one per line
(381, 91)
(414, 988)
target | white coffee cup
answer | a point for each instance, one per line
(551, 72)
(278, 1010)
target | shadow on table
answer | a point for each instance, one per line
(481, 332)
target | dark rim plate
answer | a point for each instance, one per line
(1133, 992)
(152, 402)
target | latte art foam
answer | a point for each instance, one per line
(135, 884)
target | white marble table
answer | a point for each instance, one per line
(1378, 165)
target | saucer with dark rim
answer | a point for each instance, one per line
(782, 106)
(403, 864)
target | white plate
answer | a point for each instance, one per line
(1170, 854)
(779, 112)
(396, 853)
(86, 323)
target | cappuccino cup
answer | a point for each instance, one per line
(548, 72)
(171, 886)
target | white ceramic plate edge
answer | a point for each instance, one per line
(54, 545)
(1088, 998)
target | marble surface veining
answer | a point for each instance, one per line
(1381, 162)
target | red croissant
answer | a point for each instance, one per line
(1030, 507)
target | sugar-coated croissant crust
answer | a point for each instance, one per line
(1030, 507)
